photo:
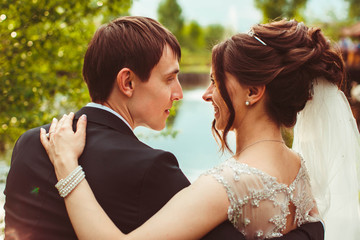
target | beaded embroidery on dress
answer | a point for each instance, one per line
(259, 204)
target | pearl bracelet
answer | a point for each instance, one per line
(67, 185)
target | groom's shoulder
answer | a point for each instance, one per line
(113, 145)
(31, 136)
(127, 148)
(109, 140)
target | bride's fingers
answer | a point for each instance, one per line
(69, 120)
(81, 127)
(52, 127)
(60, 123)
(44, 139)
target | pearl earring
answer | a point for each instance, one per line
(247, 103)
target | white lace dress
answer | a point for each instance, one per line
(259, 204)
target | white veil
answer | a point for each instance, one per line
(327, 137)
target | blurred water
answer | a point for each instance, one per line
(194, 146)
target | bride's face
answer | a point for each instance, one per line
(221, 112)
(237, 95)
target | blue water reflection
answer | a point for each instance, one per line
(194, 145)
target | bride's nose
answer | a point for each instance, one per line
(207, 96)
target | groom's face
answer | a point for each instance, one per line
(153, 99)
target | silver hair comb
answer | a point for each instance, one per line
(252, 34)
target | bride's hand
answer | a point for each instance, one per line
(63, 145)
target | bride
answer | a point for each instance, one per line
(279, 74)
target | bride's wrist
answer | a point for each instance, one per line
(64, 168)
(67, 185)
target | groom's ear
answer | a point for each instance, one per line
(125, 81)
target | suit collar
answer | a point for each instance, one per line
(105, 118)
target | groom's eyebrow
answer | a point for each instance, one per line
(175, 71)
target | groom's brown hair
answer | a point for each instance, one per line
(133, 42)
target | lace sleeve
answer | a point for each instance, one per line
(259, 205)
(222, 175)
(250, 211)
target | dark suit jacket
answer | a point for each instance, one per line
(130, 180)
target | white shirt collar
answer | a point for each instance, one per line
(100, 106)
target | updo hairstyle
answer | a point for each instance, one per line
(294, 55)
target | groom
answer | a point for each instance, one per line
(131, 69)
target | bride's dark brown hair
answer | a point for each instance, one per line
(294, 55)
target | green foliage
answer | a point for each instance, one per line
(213, 34)
(281, 9)
(288, 136)
(197, 44)
(193, 36)
(169, 14)
(195, 61)
(196, 41)
(354, 9)
(196, 37)
(41, 52)
(333, 29)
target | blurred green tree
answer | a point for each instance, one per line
(42, 44)
(213, 34)
(197, 44)
(272, 9)
(354, 9)
(193, 36)
(169, 14)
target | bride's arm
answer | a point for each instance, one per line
(190, 214)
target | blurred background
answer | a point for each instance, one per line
(43, 42)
